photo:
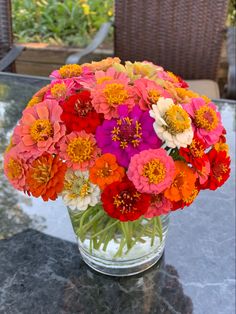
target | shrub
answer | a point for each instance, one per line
(68, 22)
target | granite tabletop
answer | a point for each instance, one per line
(41, 270)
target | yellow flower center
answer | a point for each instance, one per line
(155, 171)
(34, 101)
(179, 179)
(80, 149)
(153, 95)
(58, 90)
(127, 132)
(14, 169)
(115, 94)
(41, 172)
(196, 149)
(84, 190)
(177, 120)
(126, 201)
(206, 118)
(70, 70)
(106, 171)
(41, 130)
(206, 99)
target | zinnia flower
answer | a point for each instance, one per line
(151, 171)
(137, 70)
(196, 156)
(60, 89)
(106, 97)
(159, 206)
(148, 92)
(38, 97)
(186, 201)
(39, 129)
(15, 169)
(79, 192)
(122, 201)
(128, 135)
(78, 113)
(102, 65)
(79, 150)
(67, 71)
(45, 177)
(172, 123)
(220, 169)
(183, 184)
(106, 171)
(206, 120)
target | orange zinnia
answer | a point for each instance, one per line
(106, 171)
(183, 183)
(45, 177)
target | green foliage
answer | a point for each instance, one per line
(232, 13)
(68, 22)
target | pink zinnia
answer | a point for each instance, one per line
(160, 205)
(151, 171)
(39, 129)
(15, 169)
(148, 92)
(60, 89)
(79, 150)
(107, 96)
(206, 120)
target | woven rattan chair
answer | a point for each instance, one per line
(8, 51)
(183, 36)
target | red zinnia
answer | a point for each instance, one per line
(220, 169)
(122, 201)
(79, 114)
(195, 153)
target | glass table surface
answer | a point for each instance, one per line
(41, 270)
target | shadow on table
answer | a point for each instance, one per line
(42, 274)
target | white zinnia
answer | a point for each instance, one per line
(172, 123)
(79, 192)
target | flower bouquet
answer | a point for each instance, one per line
(123, 145)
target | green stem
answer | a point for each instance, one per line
(105, 229)
(159, 227)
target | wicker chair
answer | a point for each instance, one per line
(8, 51)
(182, 36)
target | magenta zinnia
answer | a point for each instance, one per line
(128, 135)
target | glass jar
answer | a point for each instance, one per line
(119, 248)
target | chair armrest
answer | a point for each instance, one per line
(10, 57)
(98, 39)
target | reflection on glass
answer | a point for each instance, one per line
(157, 290)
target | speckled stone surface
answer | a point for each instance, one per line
(41, 271)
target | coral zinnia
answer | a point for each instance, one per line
(148, 92)
(39, 129)
(172, 123)
(128, 135)
(45, 177)
(15, 169)
(60, 89)
(106, 97)
(79, 150)
(183, 184)
(122, 201)
(106, 171)
(206, 120)
(220, 169)
(151, 171)
(78, 113)
(159, 206)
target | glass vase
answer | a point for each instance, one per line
(117, 248)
